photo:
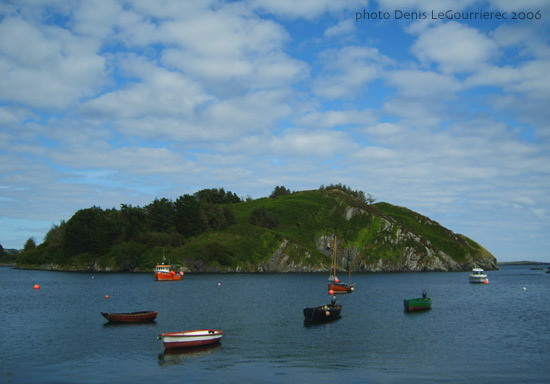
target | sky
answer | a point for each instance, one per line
(439, 106)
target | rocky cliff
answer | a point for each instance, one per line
(409, 252)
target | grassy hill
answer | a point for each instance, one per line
(293, 232)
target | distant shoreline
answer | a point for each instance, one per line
(523, 263)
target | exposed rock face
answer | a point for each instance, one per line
(412, 253)
(431, 260)
(280, 261)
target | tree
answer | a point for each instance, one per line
(279, 191)
(216, 196)
(30, 244)
(133, 219)
(188, 216)
(370, 199)
(161, 215)
(56, 235)
(263, 218)
(91, 230)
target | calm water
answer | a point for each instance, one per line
(493, 333)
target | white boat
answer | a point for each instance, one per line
(478, 276)
(194, 338)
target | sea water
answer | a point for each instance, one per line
(483, 333)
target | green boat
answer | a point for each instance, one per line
(420, 304)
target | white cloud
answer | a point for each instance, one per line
(525, 5)
(343, 27)
(307, 9)
(331, 119)
(453, 47)
(158, 99)
(425, 85)
(348, 70)
(425, 5)
(46, 66)
(159, 92)
(302, 143)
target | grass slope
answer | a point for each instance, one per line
(303, 218)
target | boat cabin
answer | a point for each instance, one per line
(478, 272)
(162, 268)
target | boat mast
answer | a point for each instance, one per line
(334, 273)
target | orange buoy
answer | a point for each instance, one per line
(106, 296)
(337, 280)
(172, 272)
(486, 282)
(331, 292)
(36, 286)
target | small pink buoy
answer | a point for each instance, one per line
(181, 273)
(331, 292)
(106, 296)
(36, 286)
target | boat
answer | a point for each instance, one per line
(323, 313)
(419, 304)
(334, 284)
(131, 317)
(186, 339)
(478, 276)
(164, 272)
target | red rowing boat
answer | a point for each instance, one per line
(194, 338)
(130, 317)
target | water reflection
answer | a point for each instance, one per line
(179, 355)
(149, 323)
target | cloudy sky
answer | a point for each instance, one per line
(108, 102)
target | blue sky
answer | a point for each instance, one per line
(119, 102)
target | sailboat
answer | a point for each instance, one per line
(334, 283)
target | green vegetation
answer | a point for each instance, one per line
(7, 256)
(214, 230)
(455, 245)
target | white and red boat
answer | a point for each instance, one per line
(187, 339)
(164, 272)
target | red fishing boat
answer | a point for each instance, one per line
(164, 272)
(334, 283)
(187, 339)
(130, 317)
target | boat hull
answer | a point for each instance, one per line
(420, 304)
(167, 277)
(341, 287)
(322, 314)
(189, 339)
(478, 279)
(130, 317)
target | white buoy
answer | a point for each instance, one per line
(219, 284)
(525, 289)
